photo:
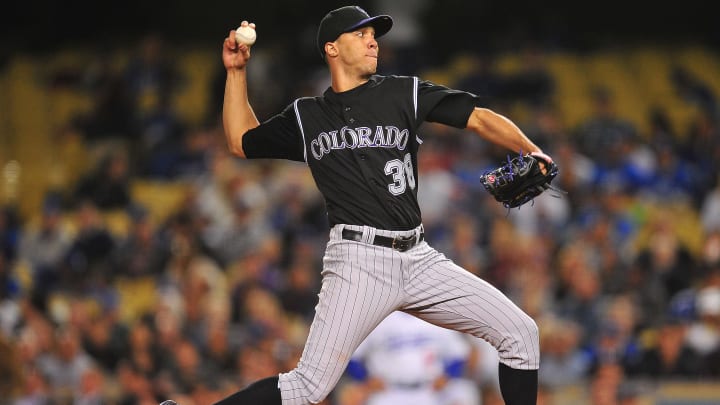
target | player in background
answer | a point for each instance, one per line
(406, 360)
(360, 140)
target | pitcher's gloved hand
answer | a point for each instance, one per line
(520, 179)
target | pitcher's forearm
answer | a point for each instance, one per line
(238, 115)
(499, 130)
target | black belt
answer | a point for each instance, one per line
(399, 243)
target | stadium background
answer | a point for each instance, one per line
(181, 245)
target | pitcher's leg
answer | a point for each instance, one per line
(445, 294)
(518, 387)
(360, 288)
(448, 295)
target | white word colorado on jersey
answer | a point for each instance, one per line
(349, 138)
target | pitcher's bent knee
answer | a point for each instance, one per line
(520, 348)
(297, 389)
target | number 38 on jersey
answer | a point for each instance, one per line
(402, 175)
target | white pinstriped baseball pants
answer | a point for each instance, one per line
(363, 283)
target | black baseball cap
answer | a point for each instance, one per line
(346, 19)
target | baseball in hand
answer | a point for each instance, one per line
(245, 35)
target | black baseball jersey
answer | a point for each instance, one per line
(361, 145)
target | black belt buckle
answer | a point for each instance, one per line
(402, 244)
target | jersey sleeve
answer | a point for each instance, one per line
(277, 138)
(437, 103)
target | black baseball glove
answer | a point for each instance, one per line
(520, 179)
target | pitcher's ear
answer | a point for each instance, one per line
(330, 49)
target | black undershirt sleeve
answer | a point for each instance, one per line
(437, 103)
(453, 110)
(276, 138)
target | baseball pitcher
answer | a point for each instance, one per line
(360, 140)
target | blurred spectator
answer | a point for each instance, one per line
(231, 206)
(108, 184)
(672, 178)
(164, 141)
(532, 83)
(692, 89)
(168, 328)
(701, 146)
(545, 126)
(661, 269)
(605, 384)
(10, 302)
(43, 247)
(577, 179)
(9, 285)
(10, 232)
(300, 292)
(109, 117)
(66, 363)
(143, 352)
(438, 188)
(87, 260)
(203, 284)
(298, 218)
(550, 213)
(710, 253)
(661, 131)
(182, 232)
(564, 361)
(579, 295)
(244, 233)
(105, 339)
(151, 78)
(92, 388)
(617, 341)
(255, 361)
(704, 333)
(605, 233)
(601, 135)
(668, 355)
(613, 345)
(134, 387)
(480, 78)
(710, 210)
(464, 245)
(218, 351)
(182, 155)
(530, 283)
(264, 316)
(143, 251)
(34, 389)
(254, 271)
(187, 369)
(33, 337)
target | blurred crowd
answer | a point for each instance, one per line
(621, 271)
